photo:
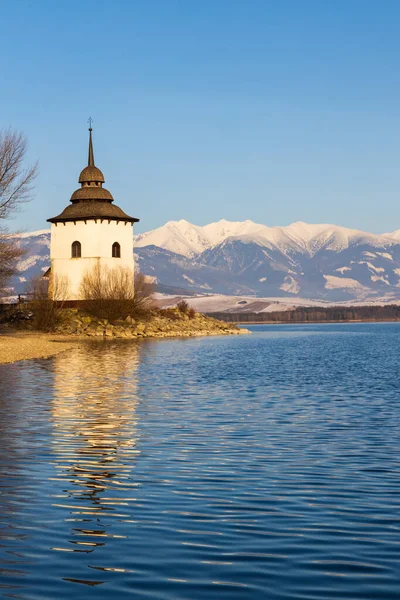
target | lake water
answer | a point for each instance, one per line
(262, 466)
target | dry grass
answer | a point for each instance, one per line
(169, 313)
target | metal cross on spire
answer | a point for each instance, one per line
(90, 121)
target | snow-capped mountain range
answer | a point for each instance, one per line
(324, 262)
(181, 237)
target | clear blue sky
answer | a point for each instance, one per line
(274, 111)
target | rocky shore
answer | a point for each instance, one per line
(171, 323)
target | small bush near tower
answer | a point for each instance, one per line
(112, 294)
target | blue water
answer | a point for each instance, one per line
(262, 466)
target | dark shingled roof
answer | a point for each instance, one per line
(92, 201)
(91, 173)
(92, 209)
(92, 192)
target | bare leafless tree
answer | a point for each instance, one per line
(10, 254)
(16, 187)
(16, 183)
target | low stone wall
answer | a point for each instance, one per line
(158, 326)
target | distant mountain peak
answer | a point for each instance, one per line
(189, 240)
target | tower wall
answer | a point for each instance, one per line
(96, 238)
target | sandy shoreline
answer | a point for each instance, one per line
(24, 346)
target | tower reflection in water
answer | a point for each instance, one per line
(94, 444)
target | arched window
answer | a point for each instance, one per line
(76, 250)
(116, 250)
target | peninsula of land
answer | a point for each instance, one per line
(76, 325)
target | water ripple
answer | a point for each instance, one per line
(254, 467)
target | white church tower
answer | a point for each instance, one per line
(90, 231)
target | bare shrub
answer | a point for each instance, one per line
(112, 294)
(58, 288)
(182, 306)
(47, 297)
(191, 313)
(143, 297)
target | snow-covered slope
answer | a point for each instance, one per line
(311, 239)
(179, 237)
(324, 262)
(245, 304)
(395, 235)
(35, 261)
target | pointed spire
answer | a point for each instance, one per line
(91, 155)
(91, 175)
